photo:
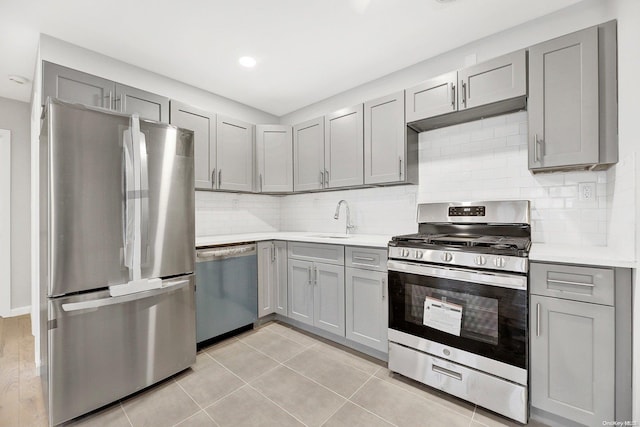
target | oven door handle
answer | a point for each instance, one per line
(482, 277)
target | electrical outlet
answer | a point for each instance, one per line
(586, 191)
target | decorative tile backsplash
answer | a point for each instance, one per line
(480, 160)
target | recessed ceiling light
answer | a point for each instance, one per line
(18, 79)
(247, 61)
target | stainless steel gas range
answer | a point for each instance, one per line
(458, 302)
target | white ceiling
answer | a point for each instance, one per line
(307, 50)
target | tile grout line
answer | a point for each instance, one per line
(194, 401)
(125, 413)
(424, 398)
(275, 403)
(362, 407)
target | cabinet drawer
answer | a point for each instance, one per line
(319, 252)
(369, 258)
(579, 283)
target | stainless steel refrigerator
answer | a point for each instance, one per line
(117, 239)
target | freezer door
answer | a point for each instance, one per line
(168, 214)
(104, 348)
(82, 192)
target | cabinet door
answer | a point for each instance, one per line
(147, 105)
(384, 139)
(274, 155)
(266, 284)
(344, 148)
(308, 155)
(328, 297)
(492, 81)
(203, 125)
(572, 359)
(563, 101)
(235, 154)
(76, 86)
(300, 291)
(366, 308)
(432, 98)
(280, 277)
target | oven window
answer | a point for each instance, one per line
(479, 315)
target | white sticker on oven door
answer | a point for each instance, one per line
(442, 315)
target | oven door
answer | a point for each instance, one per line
(479, 312)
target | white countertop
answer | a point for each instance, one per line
(368, 240)
(590, 255)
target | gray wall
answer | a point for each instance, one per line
(15, 116)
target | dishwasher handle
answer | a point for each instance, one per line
(225, 252)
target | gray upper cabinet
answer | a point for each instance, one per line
(493, 87)
(573, 101)
(75, 86)
(203, 125)
(147, 105)
(274, 157)
(344, 148)
(235, 151)
(431, 98)
(573, 359)
(492, 81)
(308, 155)
(385, 140)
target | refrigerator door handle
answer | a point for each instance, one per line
(102, 302)
(128, 220)
(144, 199)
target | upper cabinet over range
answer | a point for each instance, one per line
(75, 86)
(498, 86)
(573, 109)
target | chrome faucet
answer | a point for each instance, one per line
(337, 215)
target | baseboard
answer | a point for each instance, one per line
(20, 311)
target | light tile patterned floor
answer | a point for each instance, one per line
(278, 376)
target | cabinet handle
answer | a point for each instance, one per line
(213, 178)
(364, 258)
(315, 277)
(538, 319)
(449, 373)
(536, 153)
(309, 281)
(220, 178)
(464, 94)
(568, 282)
(321, 179)
(453, 96)
(112, 104)
(400, 161)
(261, 183)
(326, 177)
(384, 285)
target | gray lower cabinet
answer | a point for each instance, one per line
(573, 359)
(573, 101)
(308, 155)
(75, 86)
(390, 153)
(580, 335)
(272, 278)
(366, 307)
(235, 154)
(274, 158)
(316, 286)
(203, 125)
(344, 148)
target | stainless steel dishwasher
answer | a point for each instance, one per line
(226, 290)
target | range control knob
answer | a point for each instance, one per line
(446, 257)
(404, 253)
(499, 262)
(419, 254)
(480, 260)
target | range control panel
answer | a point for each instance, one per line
(467, 211)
